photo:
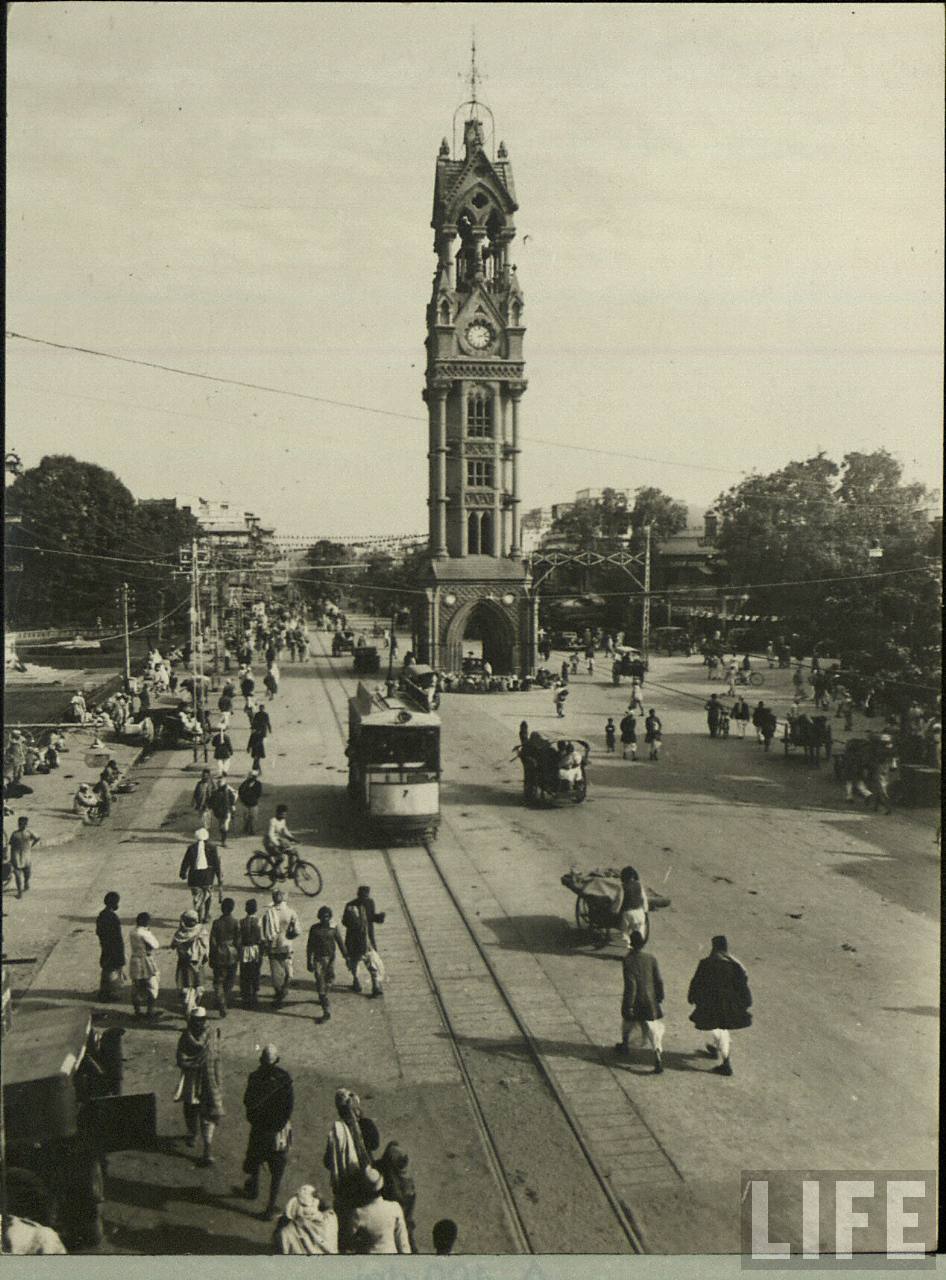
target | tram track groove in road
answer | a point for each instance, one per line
(475, 1004)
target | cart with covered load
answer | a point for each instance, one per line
(604, 895)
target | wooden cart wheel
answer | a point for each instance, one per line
(582, 914)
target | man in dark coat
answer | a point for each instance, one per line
(200, 868)
(108, 930)
(714, 711)
(359, 919)
(224, 953)
(268, 1102)
(641, 1001)
(720, 992)
(222, 805)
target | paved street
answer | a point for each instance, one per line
(832, 910)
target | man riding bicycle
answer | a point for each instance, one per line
(278, 840)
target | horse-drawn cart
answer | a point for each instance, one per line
(554, 770)
(810, 733)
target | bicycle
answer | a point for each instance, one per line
(265, 871)
(754, 678)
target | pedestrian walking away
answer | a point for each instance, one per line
(558, 701)
(358, 920)
(249, 793)
(271, 682)
(200, 867)
(352, 1141)
(758, 719)
(740, 714)
(642, 1000)
(377, 1225)
(610, 734)
(202, 796)
(223, 750)
(279, 927)
(22, 843)
(653, 733)
(768, 723)
(190, 945)
(634, 905)
(399, 1186)
(200, 1088)
(323, 941)
(629, 736)
(268, 1102)
(720, 991)
(307, 1226)
(223, 803)
(251, 955)
(635, 703)
(143, 967)
(714, 712)
(224, 954)
(247, 688)
(108, 930)
(883, 764)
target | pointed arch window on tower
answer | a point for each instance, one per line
(479, 415)
(479, 533)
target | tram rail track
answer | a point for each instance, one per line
(472, 998)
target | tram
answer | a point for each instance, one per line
(394, 766)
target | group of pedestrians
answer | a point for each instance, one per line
(370, 1209)
(653, 734)
(718, 990)
(720, 719)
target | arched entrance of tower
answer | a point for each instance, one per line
(487, 623)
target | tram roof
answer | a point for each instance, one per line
(383, 710)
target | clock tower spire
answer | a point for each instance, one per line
(474, 388)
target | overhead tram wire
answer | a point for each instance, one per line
(869, 504)
(345, 404)
(149, 626)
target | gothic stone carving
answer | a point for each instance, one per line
(500, 371)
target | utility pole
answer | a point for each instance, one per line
(391, 647)
(215, 624)
(194, 635)
(645, 621)
(160, 619)
(124, 598)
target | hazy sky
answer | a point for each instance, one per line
(734, 254)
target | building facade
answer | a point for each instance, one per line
(478, 583)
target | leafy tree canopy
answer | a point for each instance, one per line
(81, 534)
(813, 524)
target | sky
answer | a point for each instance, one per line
(734, 252)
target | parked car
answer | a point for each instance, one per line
(671, 640)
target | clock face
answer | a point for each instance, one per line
(479, 335)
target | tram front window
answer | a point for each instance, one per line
(401, 748)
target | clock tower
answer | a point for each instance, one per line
(478, 584)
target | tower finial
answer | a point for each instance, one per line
(474, 73)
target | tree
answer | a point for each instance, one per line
(664, 514)
(608, 524)
(797, 542)
(323, 558)
(591, 521)
(160, 528)
(81, 535)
